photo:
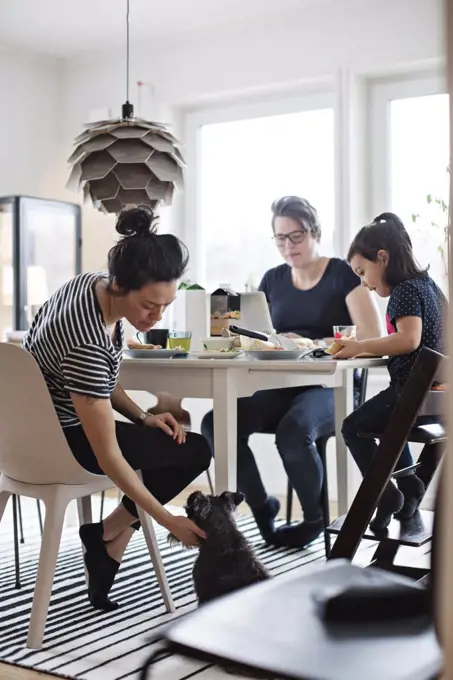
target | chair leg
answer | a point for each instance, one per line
(84, 511)
(4, 498)
(289, 502)
(39, 515)
(210, 484)
(101, 514)
(322, 448)
(21, 526)
(16, 543)
(50, 544)
(156, 558)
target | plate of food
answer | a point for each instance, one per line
(267, 351)
(223, 353)
(275, 354)
(138, 350)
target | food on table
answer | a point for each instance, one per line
(133, 344)
(334, 348)
(303, 343)
(222, 350)
(253, 345)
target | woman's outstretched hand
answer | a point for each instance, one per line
(185, 531)
(168, 424)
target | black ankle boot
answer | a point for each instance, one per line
(391, 502)
(413, 491)
(265, 515)
(297, 535)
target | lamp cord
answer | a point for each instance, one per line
(127, 51)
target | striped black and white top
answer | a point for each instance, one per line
(73, 348)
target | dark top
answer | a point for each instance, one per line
(310, 313)
(417, 297)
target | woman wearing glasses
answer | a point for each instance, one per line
(307, 295)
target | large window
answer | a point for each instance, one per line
(243, 165)
(412, 121)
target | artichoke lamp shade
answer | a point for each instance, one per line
(127, 161)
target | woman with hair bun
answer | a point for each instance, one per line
(77, 339)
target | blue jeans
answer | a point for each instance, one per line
(372, 416)
(298, 417)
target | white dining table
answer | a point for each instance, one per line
(225, 380)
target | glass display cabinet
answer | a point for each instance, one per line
(40, 249)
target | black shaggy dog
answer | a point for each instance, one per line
(226, 561)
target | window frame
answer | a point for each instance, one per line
(195, 120)
(381, 92)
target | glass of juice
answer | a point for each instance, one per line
(344, 332)
(179, 340)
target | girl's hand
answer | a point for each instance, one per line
(168, 424)
(350, 348)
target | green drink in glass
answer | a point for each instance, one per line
(179, 340)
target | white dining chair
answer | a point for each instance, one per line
(36, 462)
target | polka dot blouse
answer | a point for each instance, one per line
(420, 297)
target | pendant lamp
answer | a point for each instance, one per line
(126, 161)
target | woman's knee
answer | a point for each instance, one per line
(292, 437)
(207, 427)
(350, 427)
(201, 451)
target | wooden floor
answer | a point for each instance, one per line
(8, 672)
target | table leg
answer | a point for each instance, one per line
(225, 429)
(344, 404)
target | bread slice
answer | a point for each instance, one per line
(303, 343)
(252, 344)
(132, 344)
(334, 348)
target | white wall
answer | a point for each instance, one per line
(30, 105)
(334, 47)
(329, 46)
(30, 119)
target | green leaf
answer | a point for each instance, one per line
(429, 198)
(415, 217)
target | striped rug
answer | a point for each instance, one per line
(82, 643)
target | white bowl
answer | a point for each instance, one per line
(217, 343)
(15, 337)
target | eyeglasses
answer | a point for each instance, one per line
(294, 237)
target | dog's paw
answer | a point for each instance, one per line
(173, 541)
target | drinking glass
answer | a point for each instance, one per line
(344, 332)
(179, 339)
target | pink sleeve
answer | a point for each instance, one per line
(390, 328)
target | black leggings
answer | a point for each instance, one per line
(167, 467)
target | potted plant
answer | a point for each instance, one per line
(437, 215)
